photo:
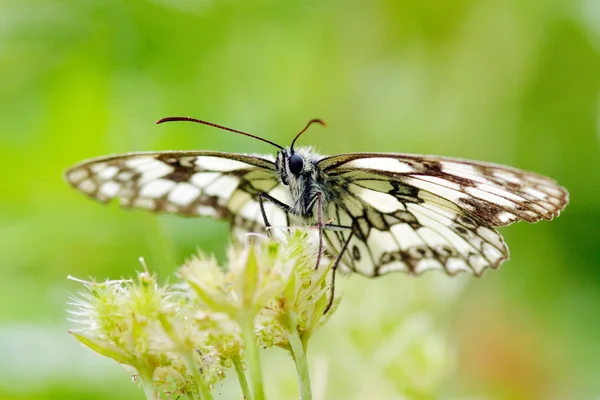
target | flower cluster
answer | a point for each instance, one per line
(181, 338)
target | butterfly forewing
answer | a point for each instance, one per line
(222, 185)
(495, 194)
(417, 213)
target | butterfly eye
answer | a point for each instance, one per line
(296, 163)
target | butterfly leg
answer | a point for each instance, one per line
(265, 196)
(334, 267)
(320, 227)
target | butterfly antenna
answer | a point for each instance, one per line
(319, 121)
(199, 121)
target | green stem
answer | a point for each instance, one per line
(251, 356)
(190, 395)
(239, 370)
(203, 388)
(297, 349)
(148, 385)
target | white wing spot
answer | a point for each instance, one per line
(202, 179)
(541, 207)
(439, 209)
(98, 167)
(207, 211)
(555, 201)
(281, 194)
(87, 186)
(157, 188)
(250, 211)
(108, 172)
(344, 218)
(382, 164)
(381, 242)
(450, 194)
(505, 217)
(261, 185)
(222, 187)
(433, 239)
(238, 199)
(143, 202)
(426, 218)
(383, 202)
(363, 264)
(220, 164)
(354, 206)
(492, 253)
(501, 192)
(462, 170)
(393, 266)
(491, 236)
(492, 198)
(110, 189)
(277, 217)
(427, 264)
(477, 262)
(531, 215)
(137, 161)
(77, 175)
(406, 236)
(455, 265)
(552, 190)
(534, 192)
(154, 170)
(125, 176)
(508, 176)
(183, 194)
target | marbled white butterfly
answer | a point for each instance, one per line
(380, 212)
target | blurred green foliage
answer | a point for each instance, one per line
(514, 82)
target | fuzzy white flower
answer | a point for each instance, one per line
(180, 338)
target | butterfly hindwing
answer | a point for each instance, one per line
(195, 183)
(390, 234)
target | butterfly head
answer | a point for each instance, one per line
(291, 164)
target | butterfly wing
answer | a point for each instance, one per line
(192, 183)
(414, 213)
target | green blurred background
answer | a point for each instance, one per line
(514, 82)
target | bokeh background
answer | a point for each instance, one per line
(514, 82)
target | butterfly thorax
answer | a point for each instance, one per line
(303, 179)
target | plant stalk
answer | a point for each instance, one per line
(148, 385)
(241, 374)
(252, 357)
(299, 355)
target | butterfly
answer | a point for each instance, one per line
(377, 212)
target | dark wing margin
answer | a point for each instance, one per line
(188, 183)
(495, 194)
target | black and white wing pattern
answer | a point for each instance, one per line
(193, 183)
(416, 213)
